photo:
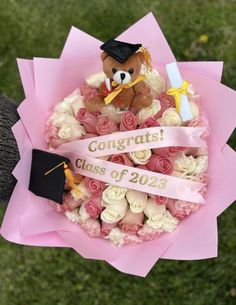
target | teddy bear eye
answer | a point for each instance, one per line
(131, 71)
(114, 70)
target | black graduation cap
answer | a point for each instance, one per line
(47, 177)
(121, 51)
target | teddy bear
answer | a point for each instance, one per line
(124, 87)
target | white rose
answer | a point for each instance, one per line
(96, 79)
(82, 193)
(113, 193)
(57, 119)
(201, 165)
(114, 212)
(152, 208)
(154, 80)
(194, 109)
(169, 222)
(137, 200)
(71, 104)
(141, 156)
(112, 112)
(73, 216)
(185, 164)
(148, 112)
(83, 215)
(71, 132)
(171, 117)
(116, 236)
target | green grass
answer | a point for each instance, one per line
(45, 276)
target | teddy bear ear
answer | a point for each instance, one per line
(103, 55)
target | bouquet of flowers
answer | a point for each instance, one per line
(122, 162)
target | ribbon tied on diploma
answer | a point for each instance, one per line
(179, 91)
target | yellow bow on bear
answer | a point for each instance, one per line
(176, 92)
(108, 99)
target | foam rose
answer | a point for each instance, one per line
(95, 187)
(166, 101)
(87, 119)
(137, 200)
(114, 212)
(140, 157)
(121, 159)
(149, 122)
(113, 193)
(93, 207)
(170, 117)
(128, 121)
(132, 222)
(106, 126)
(148, 112)
(185, 164)
(70, 202)
(107, 227)
(160, 164)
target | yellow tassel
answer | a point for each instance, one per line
(147, 58)
(70, 179)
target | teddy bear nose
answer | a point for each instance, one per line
(122, 76)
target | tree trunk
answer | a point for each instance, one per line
(9, 154)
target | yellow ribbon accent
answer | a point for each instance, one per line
(108, 99)
(176, 92)
(69, 176)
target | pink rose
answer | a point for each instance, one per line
(175, 149)
(150, 122)
(161, 151)
(92, 227)
(128, 121)
(87, 119)
(161, 200)
(121, 159)
(166, 101)
(107, 227)
(142, 167)
(106, 126)
(160, 164)
(132, 222)
(181, 209)
(94, 186)
(93, 207)
(88, 92)
(70, 202)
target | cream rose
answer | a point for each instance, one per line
(73, 216)
(71, 104)
(71, 132)
(185, 164)
(112, 112)
(140, 157)
(114, 212)
(113, 193)
(148, 112)
(171, 117)
(158, 217)
(83, 215)
(201, 165)
(154, 80)
(83, 193)
(96, 79)
(116, 236)
(57, 119)
(137, 200)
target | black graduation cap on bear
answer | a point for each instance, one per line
(47, 177)
(121, 51)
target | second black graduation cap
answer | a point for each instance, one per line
(50, 186)
(121, 51)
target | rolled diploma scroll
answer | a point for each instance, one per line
(177, 81)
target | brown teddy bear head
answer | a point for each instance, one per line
(122, 73)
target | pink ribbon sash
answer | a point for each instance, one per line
(140, 139)
(134, 178)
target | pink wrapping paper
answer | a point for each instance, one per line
(31, 220)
